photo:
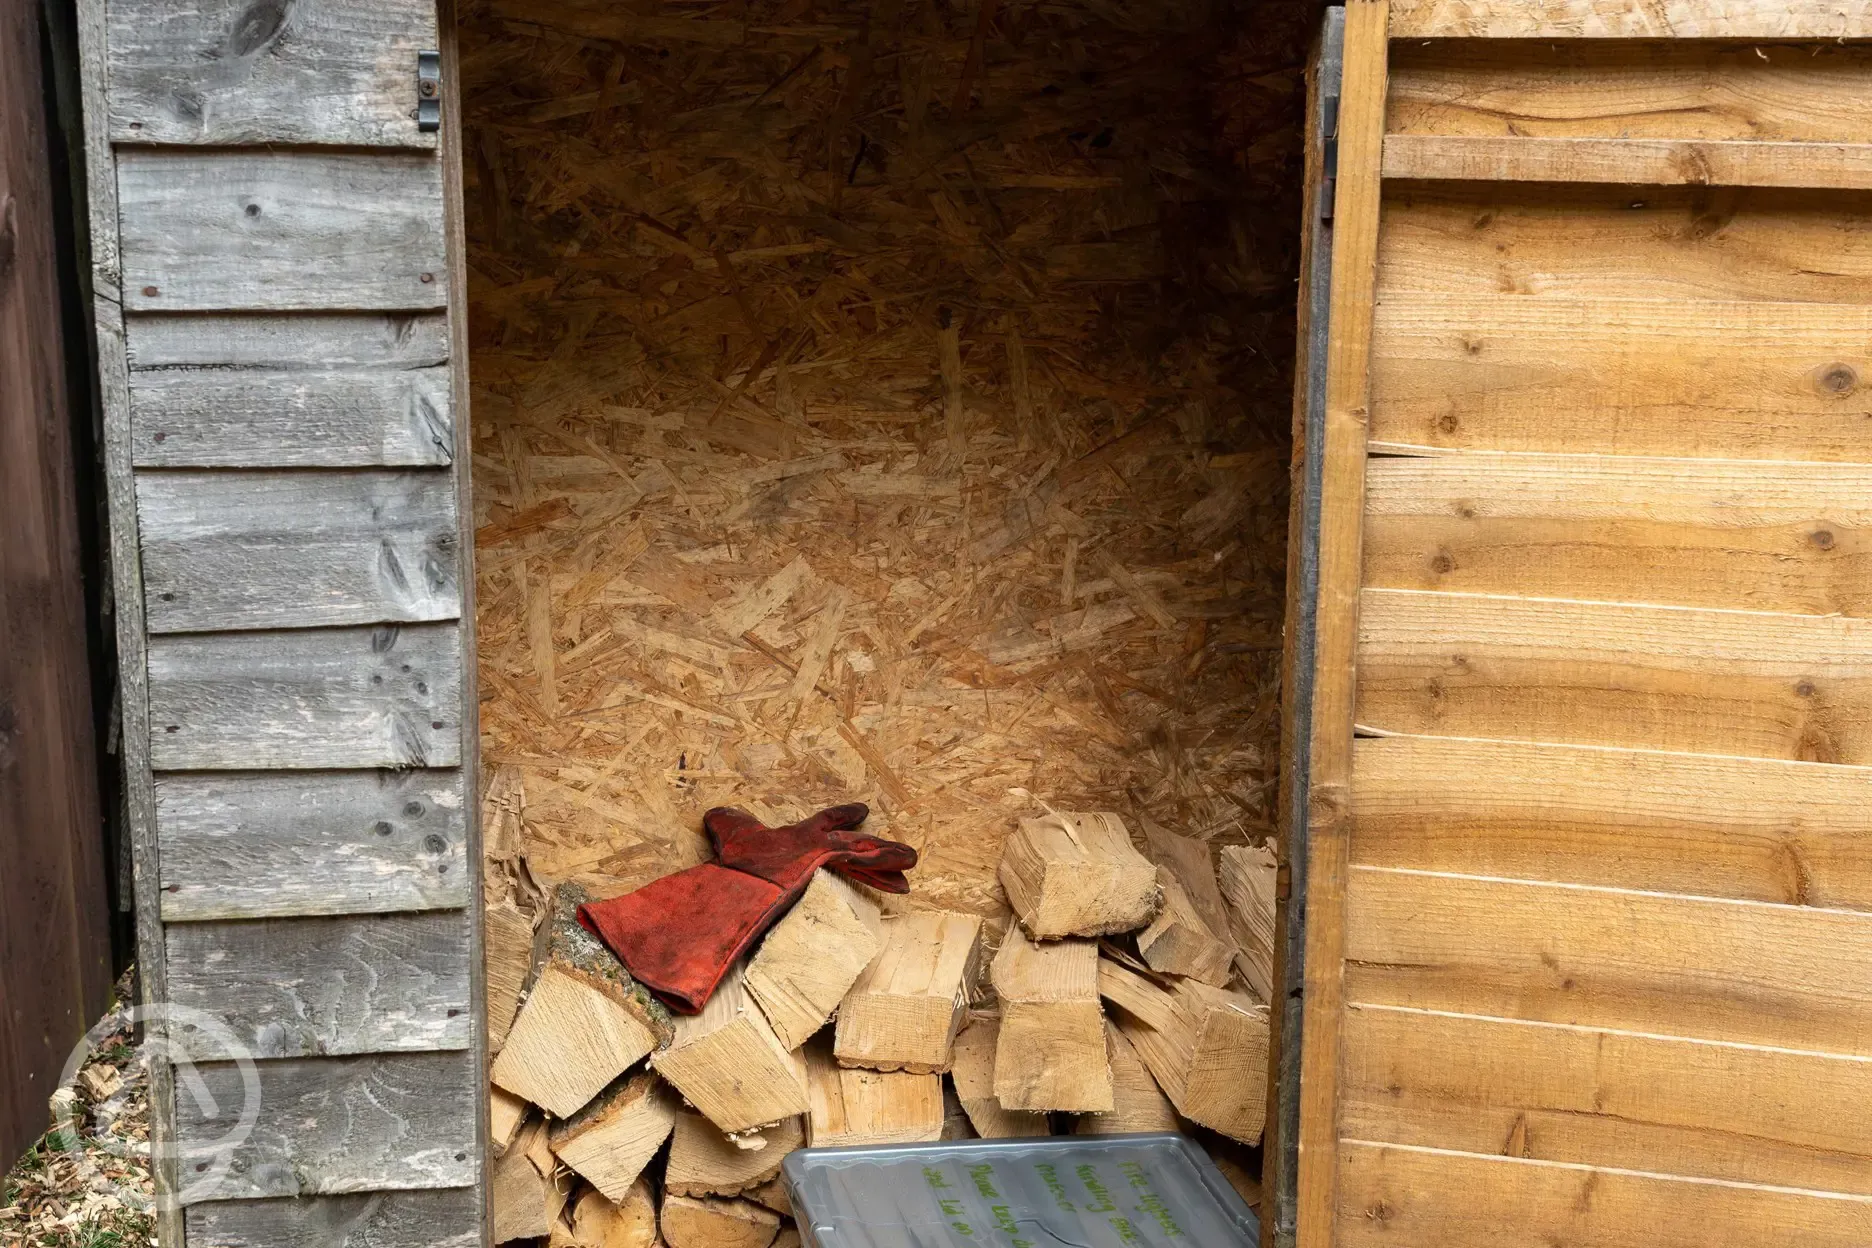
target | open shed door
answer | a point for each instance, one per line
(1589, 954)
(275, 240)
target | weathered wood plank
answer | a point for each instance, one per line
(248, 550)
(1697, 533)
(1624, 19)
(1608, 1098)
(335, 72)
(1604, 242)
(1759, 93)
(1689, 379)
(1747, 829)
(1583, 673)
(325, 1126)
(1348, 383)
(1395, 1194)
(396, 341)
(338, 418)
(448, 1218)
(350, 842)
(271, 231)
(1663, 162)
(320, 698)
(324, 986)
(1740, 971)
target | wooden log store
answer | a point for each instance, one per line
(533, 423)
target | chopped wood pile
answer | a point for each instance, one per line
(862, 1018)
(883, 401)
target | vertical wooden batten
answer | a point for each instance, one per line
(285, 390)
(1341, 527)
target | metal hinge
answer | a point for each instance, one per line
(428, 90)
(1329, 154)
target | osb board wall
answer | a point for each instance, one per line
(880, 399)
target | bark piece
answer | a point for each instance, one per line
(1077, 874)
(1250, 874)
(1208, 1047)
(851, 1107)
(1180, 942)
(1050, 1054)
(704, 1162)
(712, 1222)
(585, 1022)
(811, 958)
(599, 1222)
(612, 1139)
(727, 1062)
(904, 1011)
(526, 1201)
(1138, 1104)
(973, 1077)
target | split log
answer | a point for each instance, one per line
(704, 1162)
(612, 1139)
(1250, 874)
(1138, 1104)
(787, 1238)
(727, 1062)
(1208, 1047)
(772, 1193)
(507, 953)
(505, 1114)
(1051, 1051)
(811, 958)
(904, 1011)
(525, 1200)
(1180, 942)
(851, 1107)
(712, 1222)
(585, 1022)
(598, 1222)
(1077, 874)
(973, 1076)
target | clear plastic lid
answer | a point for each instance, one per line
(1113, 1191)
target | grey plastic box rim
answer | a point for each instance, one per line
(1076, 1191)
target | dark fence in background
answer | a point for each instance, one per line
(55, 920)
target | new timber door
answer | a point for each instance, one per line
(276, 247)
(1589, 891)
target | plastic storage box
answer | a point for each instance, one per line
(1114, 1191)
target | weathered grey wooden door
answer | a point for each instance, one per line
(277, 260)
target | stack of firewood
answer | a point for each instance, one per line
(1127, 995)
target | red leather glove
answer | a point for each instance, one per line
(680, 934)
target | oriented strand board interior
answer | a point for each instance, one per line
(881, 401)
(1606, 917)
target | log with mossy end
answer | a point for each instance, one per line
(1077, 874)
(612, 1139)
(585, 1022)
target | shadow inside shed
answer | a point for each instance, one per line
(881, 401)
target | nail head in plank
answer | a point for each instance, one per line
(271, 231)
(326, 1126)
(446, 1218)
(249, 550)
(323, 986)
(317, 698)
(239, 846)
(338, 72)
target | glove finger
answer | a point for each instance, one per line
(883, 881)
(726, 822)
(834, 819)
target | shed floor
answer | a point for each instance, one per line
(884, 401)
